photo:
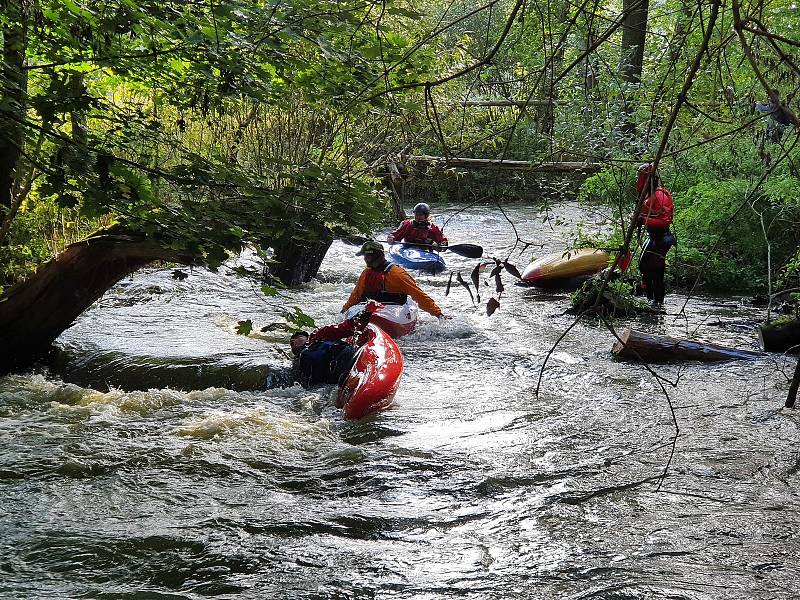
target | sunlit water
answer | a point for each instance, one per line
(471, 486)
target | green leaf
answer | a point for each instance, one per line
(299, 319)
(268, 291)
(244, 327)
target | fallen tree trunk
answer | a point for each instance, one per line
(780, 336)
(660, 348)
(36, 311)
(792, 396)
(511, 165)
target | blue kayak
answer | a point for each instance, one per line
(413, 257)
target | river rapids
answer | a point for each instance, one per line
(151, 465)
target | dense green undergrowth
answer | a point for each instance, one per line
(730, 221)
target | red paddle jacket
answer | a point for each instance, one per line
(339, 331)
(657, 209)
(348, 327)
(407, 232)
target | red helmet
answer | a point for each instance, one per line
(645, 171)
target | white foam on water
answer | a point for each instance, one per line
(264, 422)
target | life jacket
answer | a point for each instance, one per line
(375, 287)
(324, 362)
(657, 210)
(419, 233)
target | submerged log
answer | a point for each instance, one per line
(781, 335)
(661, 348)
(792, 396)
(36, 311)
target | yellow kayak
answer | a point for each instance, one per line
(563, 265)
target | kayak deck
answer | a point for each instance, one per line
(395, 319)
(419, 259)
(566, 265)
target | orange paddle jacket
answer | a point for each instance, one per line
(397, 281)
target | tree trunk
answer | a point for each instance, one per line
(78, 121)
(780, 336)
(510, 165)
(36, 311)
(299, 260)
(590, 66)
(793, 387)
(549, 89)
(396, 184)
(13, 85)
(660, 348)
(634, 33)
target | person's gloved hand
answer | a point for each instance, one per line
(373, 306)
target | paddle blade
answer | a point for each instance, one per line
(466, 250)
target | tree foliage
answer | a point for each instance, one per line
(209, 126)
(141, 112)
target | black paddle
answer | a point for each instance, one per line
(467, 250)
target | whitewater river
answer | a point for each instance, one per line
(150, 466)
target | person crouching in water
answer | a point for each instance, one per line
(655, 214)
(326, 356)
(419, 230)
(387, 283)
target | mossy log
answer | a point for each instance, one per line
(661, 348)
(781, 335)
(36, 311)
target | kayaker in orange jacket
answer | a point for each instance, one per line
(387, 283)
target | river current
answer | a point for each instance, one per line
(150, 466)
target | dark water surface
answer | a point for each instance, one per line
(470, 487)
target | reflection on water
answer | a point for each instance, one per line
(163, 471)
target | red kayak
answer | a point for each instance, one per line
(373, 380)
(395, 319)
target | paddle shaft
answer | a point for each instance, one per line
(467, 250)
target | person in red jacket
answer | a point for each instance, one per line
(655, 214)
(325, 356)
(419, 230)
